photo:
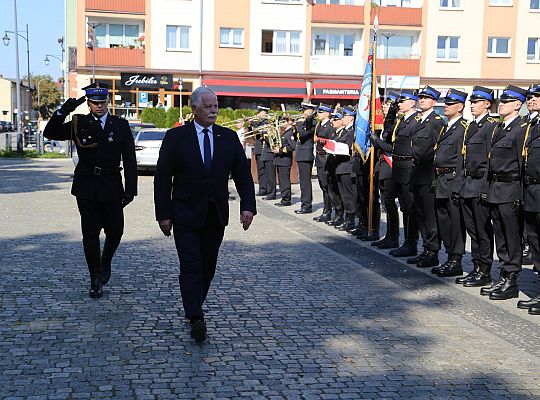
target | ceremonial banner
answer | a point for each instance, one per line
(362, 124)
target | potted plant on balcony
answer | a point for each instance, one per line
(139, 42)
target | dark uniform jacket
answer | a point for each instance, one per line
(323, 131)
(402, 149)
(108, 147)
(288, 144)
(423, 144)
(304, 146)
(505, 162)
(531, 184)
(257, 145)
(476, 146)
(448, 157)
(344, 164)
(183, 187)
(267, 153)
(384, 144)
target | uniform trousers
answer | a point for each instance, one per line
(362, 202)
(284, 174)
(198, 253)
(405, 196)
(333, 192)
(532, 221)
(451, 228)
(322, 178)
(346, 193)
(388, 197)
(261, 173)
(426, 217)
(480, 229)
(304, 176)
(508, 229)
(270, 178)
(95, 216)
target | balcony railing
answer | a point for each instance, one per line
(337, 14)
(402, 16)
(117, 6)
(407, 67)
(125, 57)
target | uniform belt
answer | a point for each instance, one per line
(513, 177)
(95, 170)
(419, 163)
(475, 174)
(444, 170)
(530, 180)
(402, 158)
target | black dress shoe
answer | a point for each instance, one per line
(534, 310)
(96, 288)
(532, 302)
(269, 198)
(482, 277)
(198, 330)
(323, 218)
(406, 250)
(430, 260)
(389, 244)
(417, 259)
(453, 268)
(304, 211)
(495, 286)
(283, 203)
(358, 230)
(370, 238)
(470, 275)
(435, 270)
(336, 221)
(345, 226)
(508, 290)
(377, 243)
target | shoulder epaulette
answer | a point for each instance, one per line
(492, 120)
(525, 124)
(437, 116)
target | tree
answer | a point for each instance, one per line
(50, 94)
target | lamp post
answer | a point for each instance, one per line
(48, 61)
(387, 36)
(6, 40)
(92, 45)
(180, 88)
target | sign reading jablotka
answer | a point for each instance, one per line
(146, 81)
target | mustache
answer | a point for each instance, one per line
(212, 115)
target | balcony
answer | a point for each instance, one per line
(402, 16)
(337, 14)
(116, 6)
(116, 57)
(398, 66)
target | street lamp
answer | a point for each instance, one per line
(92, 45)
(387, 36)
(47, 61)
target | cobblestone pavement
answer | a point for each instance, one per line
(297, 311)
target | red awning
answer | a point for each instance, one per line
(249, 87)
(336, 89)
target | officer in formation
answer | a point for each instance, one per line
(323, 131)
(103, 141)
(260, 120)
(283, 161)
(305, 130)
(332, 161)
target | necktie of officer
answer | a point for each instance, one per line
(207, 151)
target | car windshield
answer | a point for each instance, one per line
(151, 135)
(137, 128)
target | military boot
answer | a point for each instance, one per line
(508, 290)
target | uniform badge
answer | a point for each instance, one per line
(110, 137)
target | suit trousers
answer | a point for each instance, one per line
(508, 228)
(405, 196)
(284, 174)
(198, 253)
(451, 228)
(260, 173)
(346, 192)
(388, 197)
(533, 231)
(361, 190)
(333, 192)
(95, 216)
(480, 229)
(322, 177)
(270, 178)
(304, 176)
(426, 217)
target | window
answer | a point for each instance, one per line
(498, 47)
(280, 42)
(535, 5)
(533, 49)
(116, 35)
(231, 37)
(177, 37)
(447, 47)
(282, 1)
(399, 47)
(332, 44)
(450, 4)
(504, 3)
(342, 2)
(396, 3)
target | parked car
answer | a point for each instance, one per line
(10, 126)
(147, 145)
(3, 126)
(137, 126)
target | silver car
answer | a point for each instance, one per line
(147, 144)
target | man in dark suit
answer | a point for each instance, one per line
(505, 192)
(283, 162)
(304, 157)
(191, 195)
(102, 141)
(330, 169)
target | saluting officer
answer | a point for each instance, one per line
(304, 156)
(504, 192)
(102, 141)
(384, 168)
(402, 135)
(474, 181)
(423, 145)
(260, 119)
(283, 162)
(448, 164)
(323, 131)
(332, 162)
(531, 192)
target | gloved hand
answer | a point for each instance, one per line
(71, 104)
(455, 198)
(128, 198)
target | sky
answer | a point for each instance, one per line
(45, 19)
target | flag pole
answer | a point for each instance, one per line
(372, 126)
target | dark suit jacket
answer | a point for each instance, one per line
(183, 188)
(344, 163)
(423, 143)
(323, 131)
(405, 131)
(105, 154)
(304, 147)
(531, 192)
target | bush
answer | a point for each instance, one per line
(173, 114)
(154, 115)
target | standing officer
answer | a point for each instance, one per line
(531, 192)
(448, 165)
(474, 181)
(402, 135)
(259, 120)
(332, 162)
(423, 145)
(102, 141)
(323, 131)
(384, 167)
(283, 162)
(304, 157)
(268, 160)
(505, 192)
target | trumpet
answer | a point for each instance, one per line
(244, 119)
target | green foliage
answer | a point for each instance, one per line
(29, 154)
(50, 95)
(154, 115)
(173, 114)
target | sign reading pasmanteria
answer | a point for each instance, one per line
(146, 81)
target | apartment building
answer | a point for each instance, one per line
(287, 51)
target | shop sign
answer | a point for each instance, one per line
(146, 81)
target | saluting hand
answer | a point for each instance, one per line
(246, 218)
(166, 226)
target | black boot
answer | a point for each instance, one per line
(370, 238)
(416, 260)
(482, 277)
(327, 210)
(507, 291)
(436, 270)
(337, 220)
(389, 243)
(431, 259)
(470, 275)
(93, 260)
(109, 248)
(495, 286)
(347, 224)
(533, 302)
(453, 268)
(358, 229)
(407, 250)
